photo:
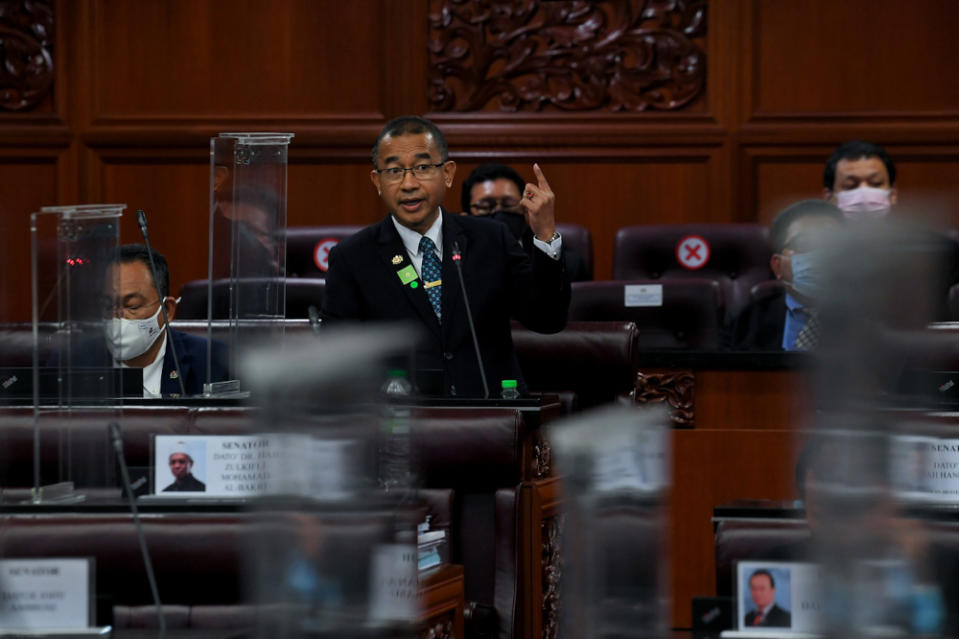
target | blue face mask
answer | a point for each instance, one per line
(807, 275)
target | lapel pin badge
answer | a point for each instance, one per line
(407, 275)
(397, 259)
(173, 375)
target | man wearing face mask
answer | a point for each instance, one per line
(134, 333)
(786, 321)
(860, 179)
(493, 190)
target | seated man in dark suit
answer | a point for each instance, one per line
(135, 336)
(496, 190)
(402, 269)
(778, 321)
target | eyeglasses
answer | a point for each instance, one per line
(131, 310)
(491, 205)
(420, 172)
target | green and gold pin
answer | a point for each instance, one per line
(407, 275)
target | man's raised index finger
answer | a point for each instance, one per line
(540, 178)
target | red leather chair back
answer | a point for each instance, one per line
(690, 315)
(738, 256)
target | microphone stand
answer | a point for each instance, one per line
(142, 223)
(457, 258)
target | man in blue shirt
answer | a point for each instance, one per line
(784, 320)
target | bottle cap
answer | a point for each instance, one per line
(509, 383)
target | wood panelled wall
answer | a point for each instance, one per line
(139, 87)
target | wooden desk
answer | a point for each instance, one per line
(738, 424)
(442, 602)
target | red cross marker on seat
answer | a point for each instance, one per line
(692, 252)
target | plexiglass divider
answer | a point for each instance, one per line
(73, 293)
(248, 178)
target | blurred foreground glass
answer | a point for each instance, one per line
(336, 555)
(615, 468)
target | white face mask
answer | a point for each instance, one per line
(864, 203)
(129, 338)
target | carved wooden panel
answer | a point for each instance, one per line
(532, 55)
(552, 574)
(26, 53)
(675, 388)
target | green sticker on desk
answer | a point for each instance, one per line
(407, 275)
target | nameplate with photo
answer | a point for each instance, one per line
(782, 597)
(924, 468)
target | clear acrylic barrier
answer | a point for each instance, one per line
(248, 176)
(71, 246)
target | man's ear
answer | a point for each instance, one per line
(893, 196)
(449, 170)
(375, 179)
(776, 264)
(828, 195)
(170, 304)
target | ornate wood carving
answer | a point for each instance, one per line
(542, 456)
(26, 53)
(675, 388)
(529, 55)
(552, 573)
(439, 628)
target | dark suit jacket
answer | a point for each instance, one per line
(777, 618)
(192, 353)
(190, 349)
(759, 327)
(502, 282)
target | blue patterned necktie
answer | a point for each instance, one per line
(432, 273)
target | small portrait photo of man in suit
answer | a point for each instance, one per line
(764, 608)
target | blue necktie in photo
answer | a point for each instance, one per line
(432, 272)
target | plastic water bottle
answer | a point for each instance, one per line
(397, 384)
(509, 389)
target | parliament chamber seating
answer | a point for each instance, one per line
(690, 316)
(579, 239)
(308, 246)
(253, 293)
(738, 256)
(587, 363)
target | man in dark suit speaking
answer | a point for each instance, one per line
(762, 589)
(402, 268)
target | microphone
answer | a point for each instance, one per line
(142, 223)
(457, 258)
(314, 319)
(117, 440)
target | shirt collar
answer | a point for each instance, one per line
(793, 304)
(411, 239)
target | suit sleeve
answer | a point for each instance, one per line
(539, 287)
(340, 299)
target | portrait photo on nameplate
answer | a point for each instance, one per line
(786, 597)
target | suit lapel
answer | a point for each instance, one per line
(390, 247)
(169, 384)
